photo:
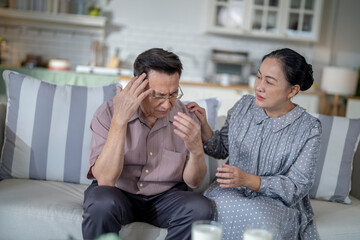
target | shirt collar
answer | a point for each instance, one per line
(277, 123)
(137, 115)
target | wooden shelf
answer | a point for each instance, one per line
(52, 18)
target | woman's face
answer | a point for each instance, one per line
(272, 90)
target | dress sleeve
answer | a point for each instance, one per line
(296, 183)
(218, 145)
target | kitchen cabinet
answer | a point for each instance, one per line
(228, 95)
(312, 101)
(353, 107)
(282, 19)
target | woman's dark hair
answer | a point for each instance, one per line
(157, 59)
(297, 70)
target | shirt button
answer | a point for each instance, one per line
(150, 153)
(147, 171)
(141, 185)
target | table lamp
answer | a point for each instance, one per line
(339, 82)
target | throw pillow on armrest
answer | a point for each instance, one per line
(211, 106)
(339, 141)
(47, 128)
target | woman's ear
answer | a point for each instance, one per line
(293, 91)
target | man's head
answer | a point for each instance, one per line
(163, 70)
(159, 60)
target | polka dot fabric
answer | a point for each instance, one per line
(283, 152)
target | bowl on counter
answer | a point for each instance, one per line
(59, 64)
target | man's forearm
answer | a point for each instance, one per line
(195, 170)
(109, 165)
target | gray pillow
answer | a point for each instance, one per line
(47, 134)
(211, 106)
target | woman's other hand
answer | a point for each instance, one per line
(206, 132)
(231, 176)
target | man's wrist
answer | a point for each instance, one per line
(118, 123)
(198, 153)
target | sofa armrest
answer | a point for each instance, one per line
(2, 124)
(355, 177)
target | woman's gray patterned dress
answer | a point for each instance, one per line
(283, 152)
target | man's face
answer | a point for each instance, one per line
(163, 85)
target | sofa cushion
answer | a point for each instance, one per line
(339, 141)
(355, 177)
(47, 134)
(52, 210)
(45, 209)
(138, 231)
(337, 221)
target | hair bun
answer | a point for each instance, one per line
(308, 79)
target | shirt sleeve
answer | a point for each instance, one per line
(99, 127)
(296, 183)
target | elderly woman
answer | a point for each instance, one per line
(273, 146)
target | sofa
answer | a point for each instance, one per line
(41, 198)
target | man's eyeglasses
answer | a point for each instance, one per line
(172, 97)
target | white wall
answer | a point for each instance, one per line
(347, 37)
(340, 35)
(179, 26)
(136, 25)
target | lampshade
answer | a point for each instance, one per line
(341, 81)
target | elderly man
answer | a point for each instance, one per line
(146, 153)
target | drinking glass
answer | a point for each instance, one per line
(258, 232)
(206, 230)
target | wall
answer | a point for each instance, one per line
(136, 25)
(346, 48)
(340, 35)
(47, 44)
(179, 26)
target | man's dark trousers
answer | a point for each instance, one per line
(107, 208)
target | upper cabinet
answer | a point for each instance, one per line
(282, 19)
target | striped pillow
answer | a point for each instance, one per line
(47, 133)
(339, 141)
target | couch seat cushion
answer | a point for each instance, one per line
(36, 209)
(40, 209)
(337, 220)
(138, 231)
